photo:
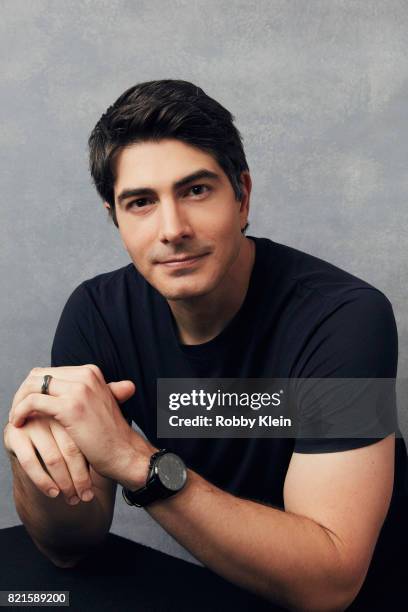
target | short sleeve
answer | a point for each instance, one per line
(71, 344)
(82, 337)
(355, 339)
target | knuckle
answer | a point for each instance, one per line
(29, 400)
(82, 389)
(71, 450)
(9, 447)
(26, 404)
(89, 374)
(6, 434)
(26, 463)
(43, 483)
(94, 369)
(76, 406)
(52, 460)
(82, 482)
(34, 371)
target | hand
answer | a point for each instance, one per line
(50, 458)
(81, 401)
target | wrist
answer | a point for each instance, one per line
(137, 468)
(167, 476)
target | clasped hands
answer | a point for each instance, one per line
(78, 430)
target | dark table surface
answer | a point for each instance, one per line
(121, 575)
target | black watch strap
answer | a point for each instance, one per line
(152, 490)
(146, 494)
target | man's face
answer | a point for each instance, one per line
(161, 219)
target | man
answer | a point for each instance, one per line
(296, 521)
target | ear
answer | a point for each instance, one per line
(106, 205)
(246, 184)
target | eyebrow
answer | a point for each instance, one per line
(199, 174)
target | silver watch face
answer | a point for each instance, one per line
(171, 471)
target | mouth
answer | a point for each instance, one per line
(181, 262)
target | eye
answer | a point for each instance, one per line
(141, 202)
(199, 187)
(138, 203)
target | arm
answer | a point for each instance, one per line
(312, 556)
(63, 533)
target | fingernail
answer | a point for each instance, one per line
(73, 500)
(53, 492)
(87, 495)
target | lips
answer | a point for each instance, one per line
(182, 262)
(181, 259)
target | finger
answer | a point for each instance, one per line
(76, 463)
(52, 459)
(88, 373)
(32, 386)
(67, 371)
(43, 404)
(57, 388)
(22, 448)
(122, 390)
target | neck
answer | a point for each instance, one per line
(202, 318)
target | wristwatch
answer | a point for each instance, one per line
(167, 475)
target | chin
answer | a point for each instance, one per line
(185, 291)
(183, 294)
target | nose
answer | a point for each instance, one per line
(174, 224)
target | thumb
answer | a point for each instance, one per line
(122, 390)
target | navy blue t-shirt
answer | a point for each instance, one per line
(302, 317)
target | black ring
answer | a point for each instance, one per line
(45, 385)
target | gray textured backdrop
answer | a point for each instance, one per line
(319, 91)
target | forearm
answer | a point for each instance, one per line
(62, 532)
(289, 559)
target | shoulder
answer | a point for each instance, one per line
(337, 322)
(93, 315)
(107, 284)
(308, 272)
(316, 286)
(106, 291)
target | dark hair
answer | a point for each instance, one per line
(155, 110)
